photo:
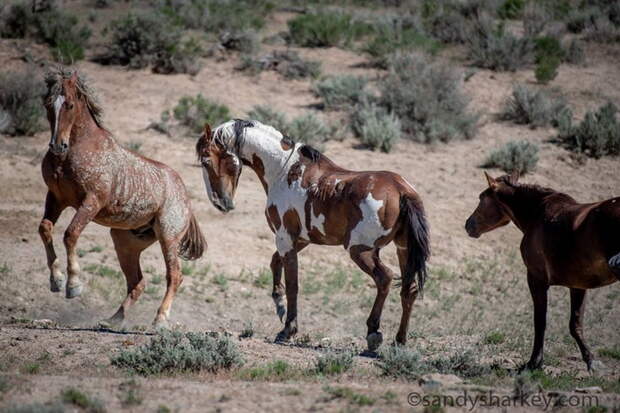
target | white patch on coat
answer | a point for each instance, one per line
(369, 229)
(60, 99)
(317, 221)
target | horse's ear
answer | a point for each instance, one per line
(73, 80)
(491, 181)
(207, 132)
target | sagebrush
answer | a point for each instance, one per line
(324, 29)
(194, 112)
(533, 107)
(332, 363)
(427, 98)
(287, 62)
(515, 156)
(21, 111)
(375, 126)
(340, 92)
(177, 352)
(492, 47)
(596, 136)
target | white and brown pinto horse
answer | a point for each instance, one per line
(141, 200)
(310, 200)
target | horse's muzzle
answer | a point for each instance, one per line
(470, 227)
(59, 148)
(224, 204)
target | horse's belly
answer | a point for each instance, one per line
(596, 274)
(125, 216)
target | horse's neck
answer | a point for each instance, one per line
(86, 129)
(275, 160)
(525, 207)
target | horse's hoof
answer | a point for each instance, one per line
(74, 290)
(281, 310)
(57, 284)
(374, 340)
(161, 324)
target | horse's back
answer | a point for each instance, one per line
(577, 241)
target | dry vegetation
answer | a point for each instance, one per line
(432, 90)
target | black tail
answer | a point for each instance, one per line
(418, 242)
(193, 243)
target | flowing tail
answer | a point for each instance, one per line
(193, 243)
(418, 242)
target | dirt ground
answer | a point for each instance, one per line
(476, 287)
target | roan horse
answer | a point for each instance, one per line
(140, 199)
(310, 200)
(564, 243)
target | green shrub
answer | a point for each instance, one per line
(176, 352)
(288, 63)
(338, 92)
(265, 114)
(548, 55)
(428, 100)
(331, 363)
(494, 48)
(309, 129)
(532, 107)
(82, 400)
(21, 111)
(245, 41)
(450, 22)
(515, 156)
(60, 30)
(401, 362)
(216, 16)
(393, 34)
(494, 338)
(596, 136)
(325, 29)
(55, 27)
(462, 363)
(194, 112)
(511, 9)
(375, 127)
(148, 39)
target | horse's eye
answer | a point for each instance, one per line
(206, 161)
(69, 105)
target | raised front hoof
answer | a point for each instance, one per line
(374, 341)
(595, 366)
(74, 290)
(57, 284)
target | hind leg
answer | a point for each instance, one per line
(577, 309)
(408, 294)
(614, 264)
(128, 249)
(367, 260)
(53, 209)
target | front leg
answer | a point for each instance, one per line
(53, 209)
(86, 212)
(538, 290)
(289, 261)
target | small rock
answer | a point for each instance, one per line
(592, 389)
(325, 342)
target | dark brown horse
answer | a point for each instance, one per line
(564, 243)
(143, 201)
(311, 200)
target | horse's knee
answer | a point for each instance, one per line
(45, 228)
(70, 238)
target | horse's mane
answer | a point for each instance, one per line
(232, 133)
(53, 79)
(532, 190)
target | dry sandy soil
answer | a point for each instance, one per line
(476, 286)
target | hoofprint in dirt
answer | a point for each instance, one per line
(41, 362)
